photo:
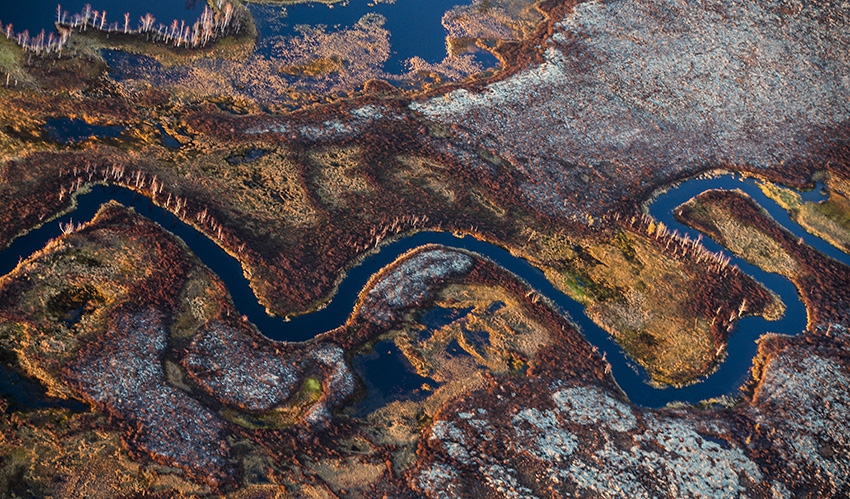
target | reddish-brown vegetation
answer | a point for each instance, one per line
(586, 123)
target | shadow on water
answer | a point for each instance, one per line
(25, 394)
(434, 318)
(478, 339)
(455, 350)
(166, 139)
(633, 380)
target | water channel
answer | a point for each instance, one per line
(633, 380)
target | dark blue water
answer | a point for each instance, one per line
(478, 339)
(24, 394)
(73, 131)
(247, 157)
(415, 27)
(37, 15)
(123, 65)
(633, 380)
(434, 318)
(455, 350)
(387, 376)
(742, 347)
(166, 139)
(815, 195)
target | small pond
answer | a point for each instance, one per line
(388, 376)
(73, 131)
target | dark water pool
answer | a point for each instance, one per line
(24, 394)
(166, 139)
(435, 318)
(37, 15)
(388, 376)
(248, 156)
(123, 65)
(73, 131)
(633, 380)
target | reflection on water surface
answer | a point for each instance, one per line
(37, 15)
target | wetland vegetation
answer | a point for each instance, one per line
(305, 149)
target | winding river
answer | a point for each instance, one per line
(633, 380)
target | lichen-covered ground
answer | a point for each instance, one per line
(552, 438)
(301, 160)
(191, 390)
(633, 92)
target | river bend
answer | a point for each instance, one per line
(633, 379)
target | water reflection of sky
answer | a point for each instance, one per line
(415, 26)
(382, 48)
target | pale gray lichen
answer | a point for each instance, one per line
(409, 282)
(591, 406)
(438, 481)
(548, 440)
(226, 362)
(805, 399)
(613, 451)
(123, 372)
(650, 90)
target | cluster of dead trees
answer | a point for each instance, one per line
(149, 185)
(42, 43)
(213, 24)
(678, 245)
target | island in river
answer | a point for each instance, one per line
(291, 252)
